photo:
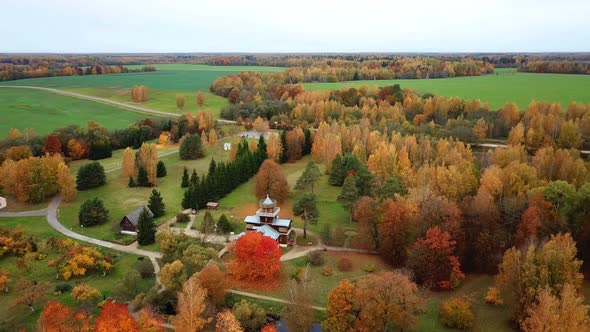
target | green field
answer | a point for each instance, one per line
(174, 77)
(497, 90)
(45, 111)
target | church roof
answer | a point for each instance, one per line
(268, 231)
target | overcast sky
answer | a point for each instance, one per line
(294, 26)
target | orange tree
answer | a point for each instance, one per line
(256, 260)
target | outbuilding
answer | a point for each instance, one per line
(129, 222)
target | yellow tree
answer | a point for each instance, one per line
(4, 279)
(227, 322)
(200, 99)
(516, 135)
(383, 162)
(148, 158)
(260, 125)
(180, 102)
(480, 129)
(66, 183)
(192, 307)
(212, 136)
(128, 166)
(274, 147)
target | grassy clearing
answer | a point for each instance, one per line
(45, 111)
(39, 271)
(506, 86)
(121, 200)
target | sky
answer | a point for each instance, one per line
(254, 26)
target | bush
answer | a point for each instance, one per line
(327, 271)
(457, 313)
(145, 268)
(93, 212)
(191, 147)
(493, 296)
(63, 288)
(344, 264)
(370, 268)
(90, 176)
(316, 257)
(181, 217)
(250, 315)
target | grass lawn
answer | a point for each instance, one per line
(507, 86)
(121, 200)
(39, 271)
(45, 111)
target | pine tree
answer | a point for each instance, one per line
(194, 178)
(184, 182)
(261, 149)
(161, 170)
(131, 183)
(156, 204)
(146, 229)
(142, 178)
(308, 142)
(284, 157)
(306, 206)
(349, 194)
(337, 171)
(223, 225)
(212, 166)
(310, 176)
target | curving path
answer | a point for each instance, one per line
(102, 100)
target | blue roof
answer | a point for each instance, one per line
(282, 222)
(268, 231)
(252, 219)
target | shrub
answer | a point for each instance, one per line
(191, 147)
(370, 268)
(145, 268)
(93, 212)
(63, 288)
(181, 217)
(327, 271)
(457, 313)
(344, 264)
(90, 176)
(250, 315)
(493, 296)
(316, 257)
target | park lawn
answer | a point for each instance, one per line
(161, 100)
(240, 226)
(45, 111)
(120, 200)
(496, 89)
(39, 271)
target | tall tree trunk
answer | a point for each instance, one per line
(305, 223)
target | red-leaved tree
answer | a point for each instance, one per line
(115, 317)
(57, 317)
(256, 261)
(52, 145)
(433, 261)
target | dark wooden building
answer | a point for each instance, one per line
(129, 222)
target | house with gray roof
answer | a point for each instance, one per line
(129, 222)
(267, 221)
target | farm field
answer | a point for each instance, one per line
(45, 111)
(507, 86)
(39, 271)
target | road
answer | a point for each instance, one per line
(102, 100)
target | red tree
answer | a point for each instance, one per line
(115, 317)
(366, 214)
(57, 317)
(433, 261)
(52, 145)
(256, 260)
(537, 220)
(395, 230)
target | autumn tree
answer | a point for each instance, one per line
(366, 214)
(311, 174)
(30, 293)
(180, 102)
(200, 99)
(172, 275)
(57, 317)
(76, 150)
(128, 164)
(146, 322)
(305, 206)
(4, 279)
(212, 136)
(566, 312)
(271, 181)
(260, 125)
(86, 296)
(66, 183)
(17, 153)
(148, 159)
(192, 310)
(294, 139)
(516, 135)
(433, 261)
(115, 317)
(523, 275)
(274, 148)
(341, 310)
(257, 259)
(139, 94)
(215, 282)
(250, 315)
(52, 145)
(395, 230)
(227, 322)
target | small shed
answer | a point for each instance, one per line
(226, 146)
(2, 202)
(212, 205)
(129, 222)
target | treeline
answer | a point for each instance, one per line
(393, 109)
(559, 67)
